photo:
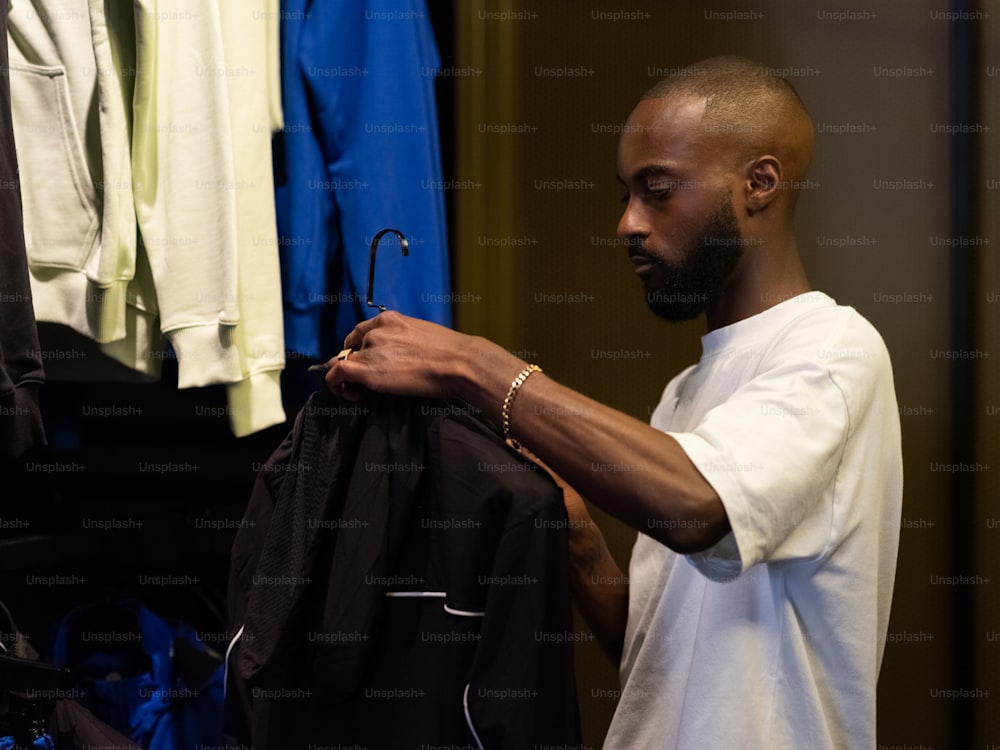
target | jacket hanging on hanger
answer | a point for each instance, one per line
(400, 578)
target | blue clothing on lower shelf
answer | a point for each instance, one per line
(128, 660)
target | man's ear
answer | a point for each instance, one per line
(764, 182)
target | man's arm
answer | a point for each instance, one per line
(600, 590)
(627, 468)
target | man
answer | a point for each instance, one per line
(767, 489)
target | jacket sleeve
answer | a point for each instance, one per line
(204, 197)
(184, 183)
(522, 688)
(255, 399)
(243, 715)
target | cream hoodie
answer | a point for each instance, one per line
(143, 132)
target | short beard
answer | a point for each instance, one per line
(692, 285)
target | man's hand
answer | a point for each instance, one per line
(397, 354)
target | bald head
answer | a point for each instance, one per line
(747, 108)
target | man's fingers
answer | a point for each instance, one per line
(356, 337)
(342, 371)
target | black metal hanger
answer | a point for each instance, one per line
(405, 246)
(371, 261)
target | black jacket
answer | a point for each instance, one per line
(401, 580)
(20, 356)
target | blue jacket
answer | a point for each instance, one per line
(359, 152)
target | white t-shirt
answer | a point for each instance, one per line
(773, 638)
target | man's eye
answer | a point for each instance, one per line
(659, 195)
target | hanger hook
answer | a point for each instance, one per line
(371, 261)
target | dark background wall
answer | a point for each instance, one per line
(983, 533)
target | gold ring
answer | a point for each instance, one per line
(344, 354)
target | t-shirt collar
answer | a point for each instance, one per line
(763, 323)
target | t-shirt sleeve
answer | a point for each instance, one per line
(771, 453)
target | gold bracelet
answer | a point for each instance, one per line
(508, 402)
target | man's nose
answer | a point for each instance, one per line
(632, 222)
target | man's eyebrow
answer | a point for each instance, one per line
(651, 171)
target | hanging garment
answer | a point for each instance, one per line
(21, 371)
(143, 130)
(359, 152)
(400, 579)
(147, 678)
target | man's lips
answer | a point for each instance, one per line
(642, 263)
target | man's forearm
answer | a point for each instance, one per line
(627, 468)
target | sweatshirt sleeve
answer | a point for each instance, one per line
(184, 184)
(249, 35)
(204, 195)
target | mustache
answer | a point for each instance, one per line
(637, 249)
